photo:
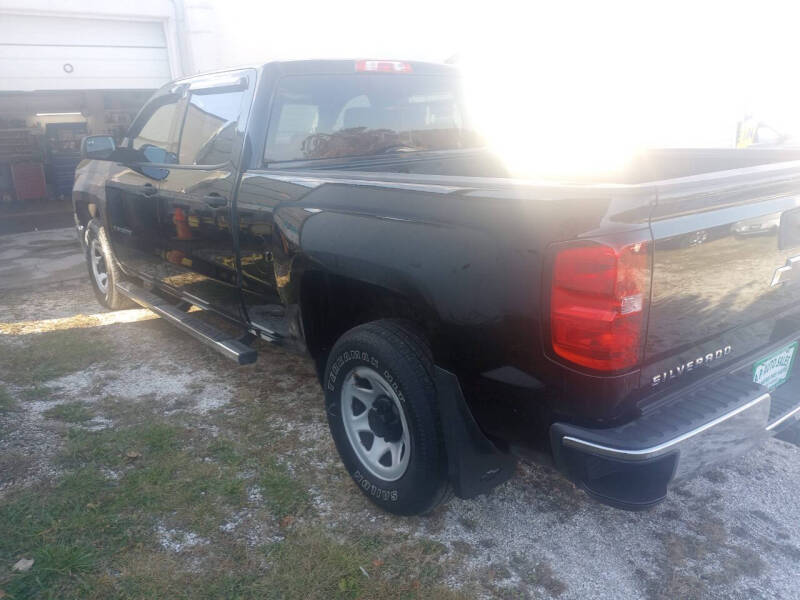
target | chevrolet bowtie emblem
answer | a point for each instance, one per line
(786, 273)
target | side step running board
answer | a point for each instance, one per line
(211, 336)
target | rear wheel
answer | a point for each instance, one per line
(381, 404)
(104, 272)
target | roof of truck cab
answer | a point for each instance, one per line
(348, 66)
(324, 66)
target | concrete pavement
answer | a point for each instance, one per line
(36, 257)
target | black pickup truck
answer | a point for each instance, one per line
(632, 329)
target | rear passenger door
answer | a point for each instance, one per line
(197, 195)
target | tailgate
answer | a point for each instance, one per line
(724, 282)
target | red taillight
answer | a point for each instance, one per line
(383, 66)
(597, 305)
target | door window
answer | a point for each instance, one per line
(154, 140)
(209, 135)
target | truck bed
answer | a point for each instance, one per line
(714, 217)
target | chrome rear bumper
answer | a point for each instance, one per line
(630, 466)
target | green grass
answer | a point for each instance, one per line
(45, 356)
(109, 448)
(83, 524)
(66, 538)
(95, 538)
(69, 412)
(309, 564)
(34, 393)
(162, 473)
(225, 451)
(283, 494)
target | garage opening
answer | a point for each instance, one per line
(62, 78)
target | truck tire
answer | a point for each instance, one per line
(381, 405)
(104, 272)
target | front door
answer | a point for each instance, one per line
(197, 194)
(134, 221)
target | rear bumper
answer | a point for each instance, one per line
(631, 466)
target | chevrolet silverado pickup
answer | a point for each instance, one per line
(632, 329)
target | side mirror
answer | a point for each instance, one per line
(156, 155)
(97, 147)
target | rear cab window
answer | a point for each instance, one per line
(366, 114)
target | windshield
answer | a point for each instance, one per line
(335, 116)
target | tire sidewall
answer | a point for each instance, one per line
(423, 478)
(91, 236)
(111, 298)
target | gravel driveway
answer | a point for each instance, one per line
(732, 533)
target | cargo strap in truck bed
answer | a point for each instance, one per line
(220, 341)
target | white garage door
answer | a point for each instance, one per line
(58, 53)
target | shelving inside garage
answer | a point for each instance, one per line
(40, 135)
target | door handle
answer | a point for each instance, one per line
(215, 200)
(148, 189)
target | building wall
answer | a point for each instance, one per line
(204, 37)
(91, 44)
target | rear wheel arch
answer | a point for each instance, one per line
(86, 211)
(331, 305)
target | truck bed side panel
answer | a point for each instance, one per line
(470, 250)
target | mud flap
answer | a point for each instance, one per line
(475, 464)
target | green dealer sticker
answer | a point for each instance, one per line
(774, 370)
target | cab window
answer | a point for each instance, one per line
(208, 135)
(154, 138)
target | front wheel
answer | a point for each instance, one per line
(381, 404)
(104, 272)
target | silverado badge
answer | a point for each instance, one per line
(690, 365)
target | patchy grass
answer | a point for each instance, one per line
(66, 533)
(708, 543)
(7, 403)
(545, 576)
(284, 495)
(309, 564)
(35, 393)
(110, 448)
(45, 356)
(94, 536)
(14, 465)
(69, 412)
(77, 528)
(225, 451)
(162, 473)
